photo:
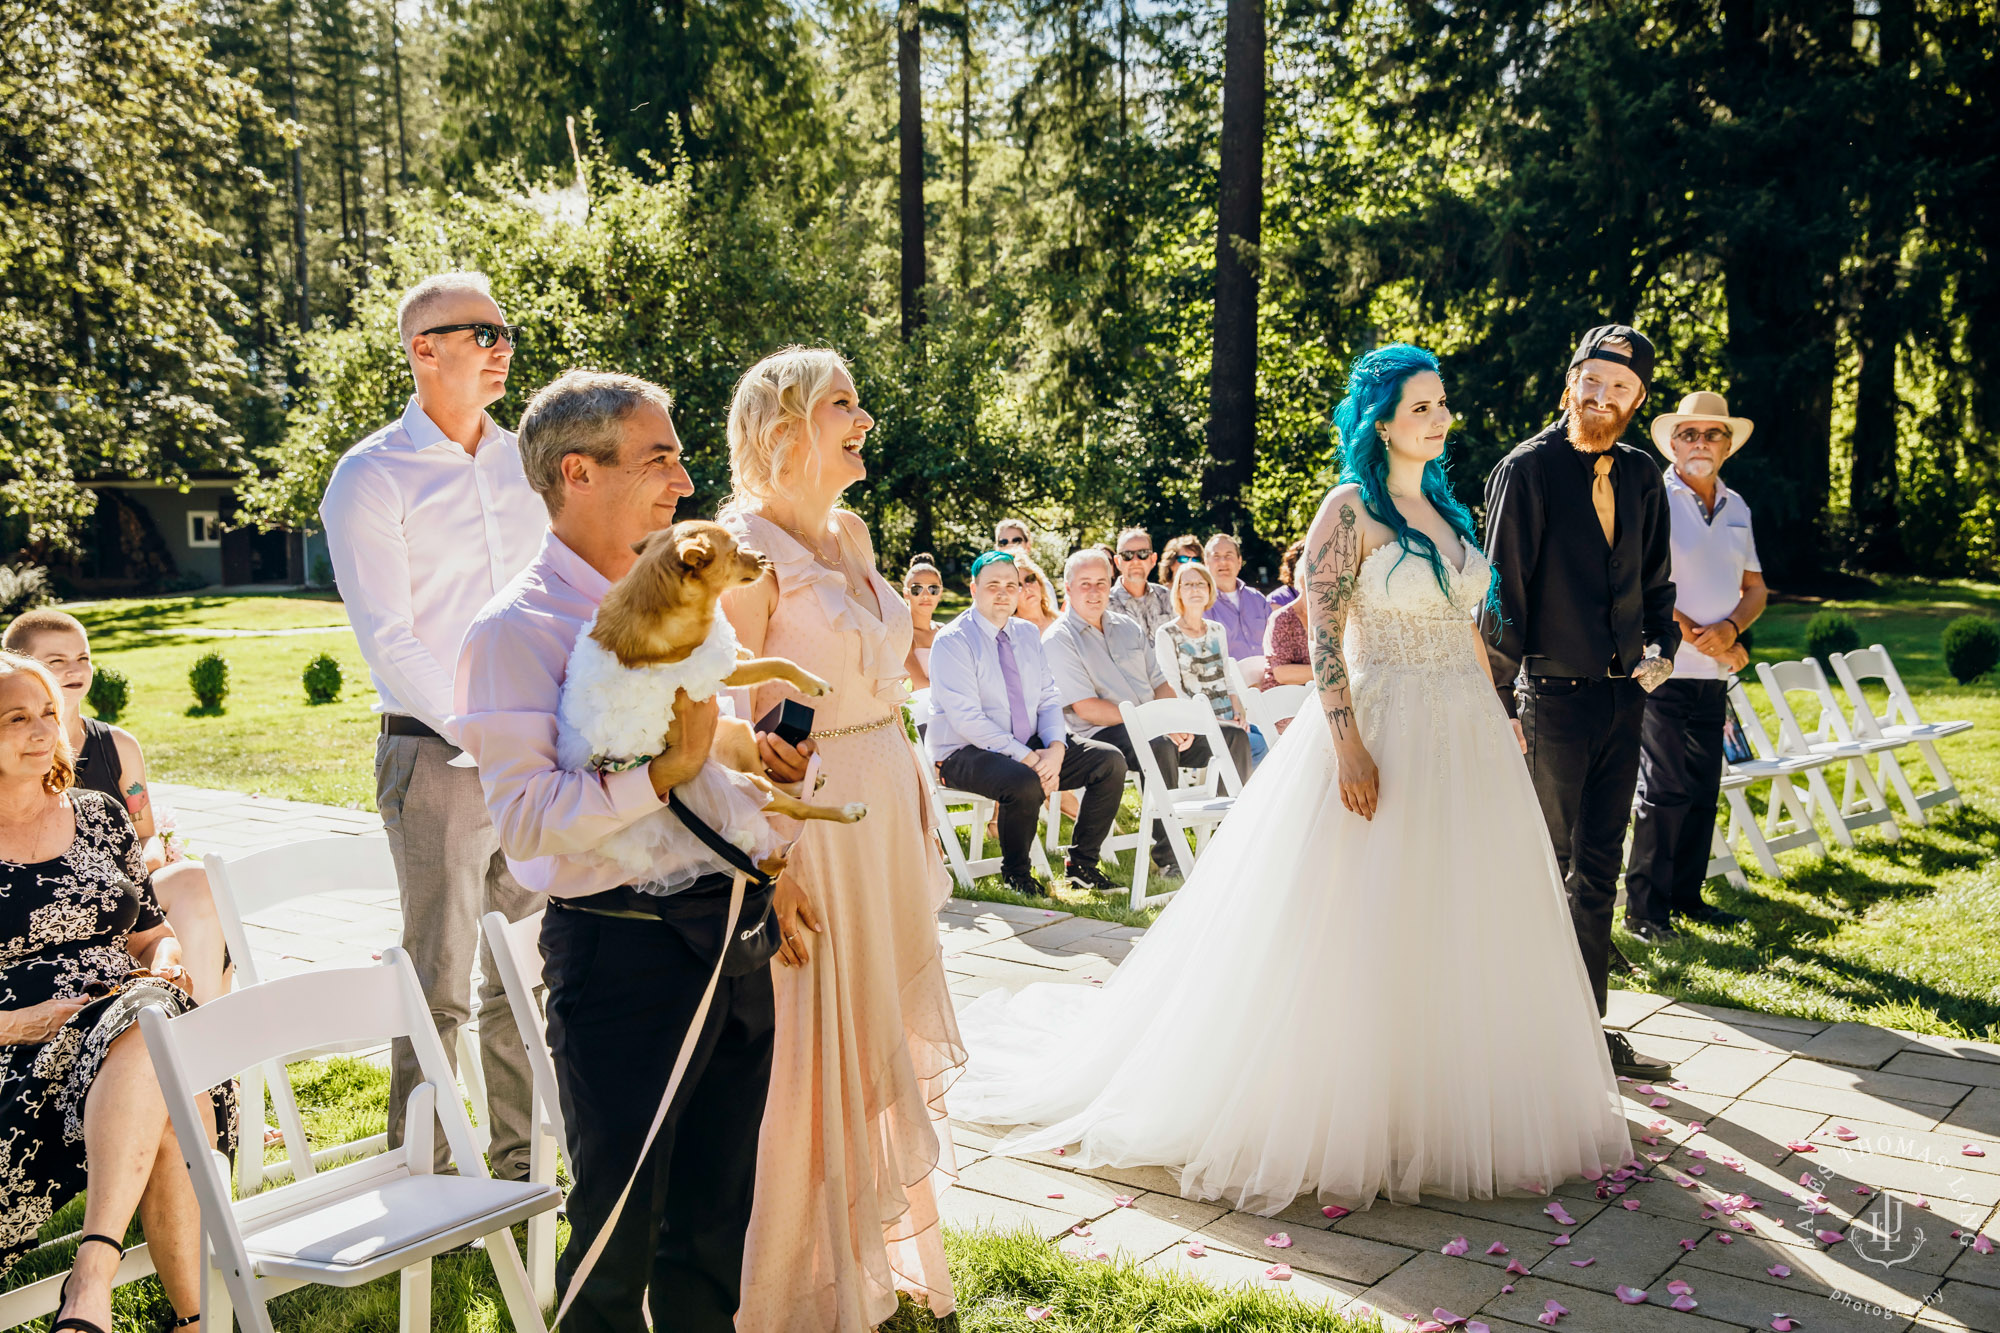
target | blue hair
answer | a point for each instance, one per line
(1374, 392)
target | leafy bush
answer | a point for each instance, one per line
(322, 679)
(209, 679)
(23, 587)
(1831, 632)
(109, 693)
(1971, 648)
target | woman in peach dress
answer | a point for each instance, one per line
(855, 1145)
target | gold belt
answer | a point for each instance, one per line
(876, 725)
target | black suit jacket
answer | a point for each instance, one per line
(1572, 605)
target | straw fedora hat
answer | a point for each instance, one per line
(1702, 406)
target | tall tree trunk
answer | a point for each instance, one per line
(396, 70)
(301, 282)
(910, 184)
(1232, 393)
(1872, 489)
(964, 145)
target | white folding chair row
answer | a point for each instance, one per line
(1199, 809)
(1901, 725)
(1862, 802)
(258, 882)
(955, 813)
(350, 1224)
(517, 957)
(1280, 703)
(1788, 820)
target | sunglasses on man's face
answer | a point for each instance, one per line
(1714, 435)
(925, 589)
(483, 334)
(1135, 555)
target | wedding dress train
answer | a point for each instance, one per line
(1336, 1006)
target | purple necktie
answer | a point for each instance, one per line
(1017, 703)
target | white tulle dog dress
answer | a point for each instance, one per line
(616, 717)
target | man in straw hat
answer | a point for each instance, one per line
(1718, 592)
(1577, 529)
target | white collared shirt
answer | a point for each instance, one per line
(422, 535)
(1712, 552)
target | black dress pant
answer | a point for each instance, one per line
(1092, 765)
(1171, 760)
(622, 993)
(1680, 777)
(1583, 753)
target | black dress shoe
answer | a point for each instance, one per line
(1631, 1064)
(1713, 916)
(1024, 884)
(1088, 876)
(1652, 932)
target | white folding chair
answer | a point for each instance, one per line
(517, 956)
(257, 882)
(1280, 703)
(350, 1224)
(1198, 809)
(1721, 856)
(1862, 801)
(954, 812)
(1788, 821)
(1901, 724)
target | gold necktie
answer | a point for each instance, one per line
(1601, 498)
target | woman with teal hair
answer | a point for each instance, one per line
(1369, 986)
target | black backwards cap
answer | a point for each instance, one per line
(1640, 358)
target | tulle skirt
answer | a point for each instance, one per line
(1333, 1006)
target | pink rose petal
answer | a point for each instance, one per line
(1779, 1270)
(1632, 1295)
(1560, 1214)
(1783, 1323)
(1514, 1266)
(1582, 1263)
(1061, 1152)
(1196, 1250)
(1661, 1126)
(1685, 1302)
(1659, 1103)
(1844, 1134)
(1279, 1272)
(1477, 1326)
(1696, 1126)
(1981, 1244)
(1446, 1317)
(1697, 1169)
(1678, 1086)
(1507, 1290)
(1679, 1287)
(1560, 1240)
(1496, 1248)
(1037, 1313)
(1055, 1196)
(1121, 1200)
(1079, 1230)
(1688, 1243)
(1800, 1145)
(1725, 1240)
(1629, 1205)
(1697, 1152)
(1335, 1211)
(1281, 1241)
(1921, 1201)
(1554, 1307)
(1547, 1317)
(1971, 1150)
(1863, 1190)
(1829, 1237)
(1456, 1246)
(1644, 1089)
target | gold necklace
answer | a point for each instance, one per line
(813, 548)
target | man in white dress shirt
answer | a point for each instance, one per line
(997, 730)
(426, 520)
(1718, 590)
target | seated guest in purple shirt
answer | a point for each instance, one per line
(997, 730)
(1239, 608)
(626, 963)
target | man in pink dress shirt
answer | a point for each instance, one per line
(625, 965)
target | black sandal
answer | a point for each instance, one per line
(72, 1321)
(182, 1322)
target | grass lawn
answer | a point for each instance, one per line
(266, 738)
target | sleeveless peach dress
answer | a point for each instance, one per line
(855, 1146)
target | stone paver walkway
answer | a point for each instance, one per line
(1775, 1130)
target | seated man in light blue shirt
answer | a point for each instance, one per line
(997, 730)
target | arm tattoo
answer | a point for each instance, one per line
(1331, 573)
(135, 797)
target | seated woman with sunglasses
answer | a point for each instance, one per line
(85, 949)
(923, 587)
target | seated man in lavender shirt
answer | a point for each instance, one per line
(1242, 611)
(626, 963)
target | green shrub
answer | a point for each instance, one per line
(109, 693)
(209, 679)
(1971, 648)
(23, 587)
(1830, 632)
(322, 679)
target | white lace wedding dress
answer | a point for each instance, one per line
(1333, 1006)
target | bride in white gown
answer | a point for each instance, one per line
(1370, 985)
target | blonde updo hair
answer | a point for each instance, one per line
(62, 764)
(769, 417)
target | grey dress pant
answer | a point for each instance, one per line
(450, 873)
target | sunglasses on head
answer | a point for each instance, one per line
(924, 589)
(483, 334)
(1134, 555)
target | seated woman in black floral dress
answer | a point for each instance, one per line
(83, 948)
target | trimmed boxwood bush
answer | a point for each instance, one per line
(1830, 632)
(209, 679)
(1971, 648)
(322, 679)
(109, 693)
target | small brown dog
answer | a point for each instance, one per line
(664, 610)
